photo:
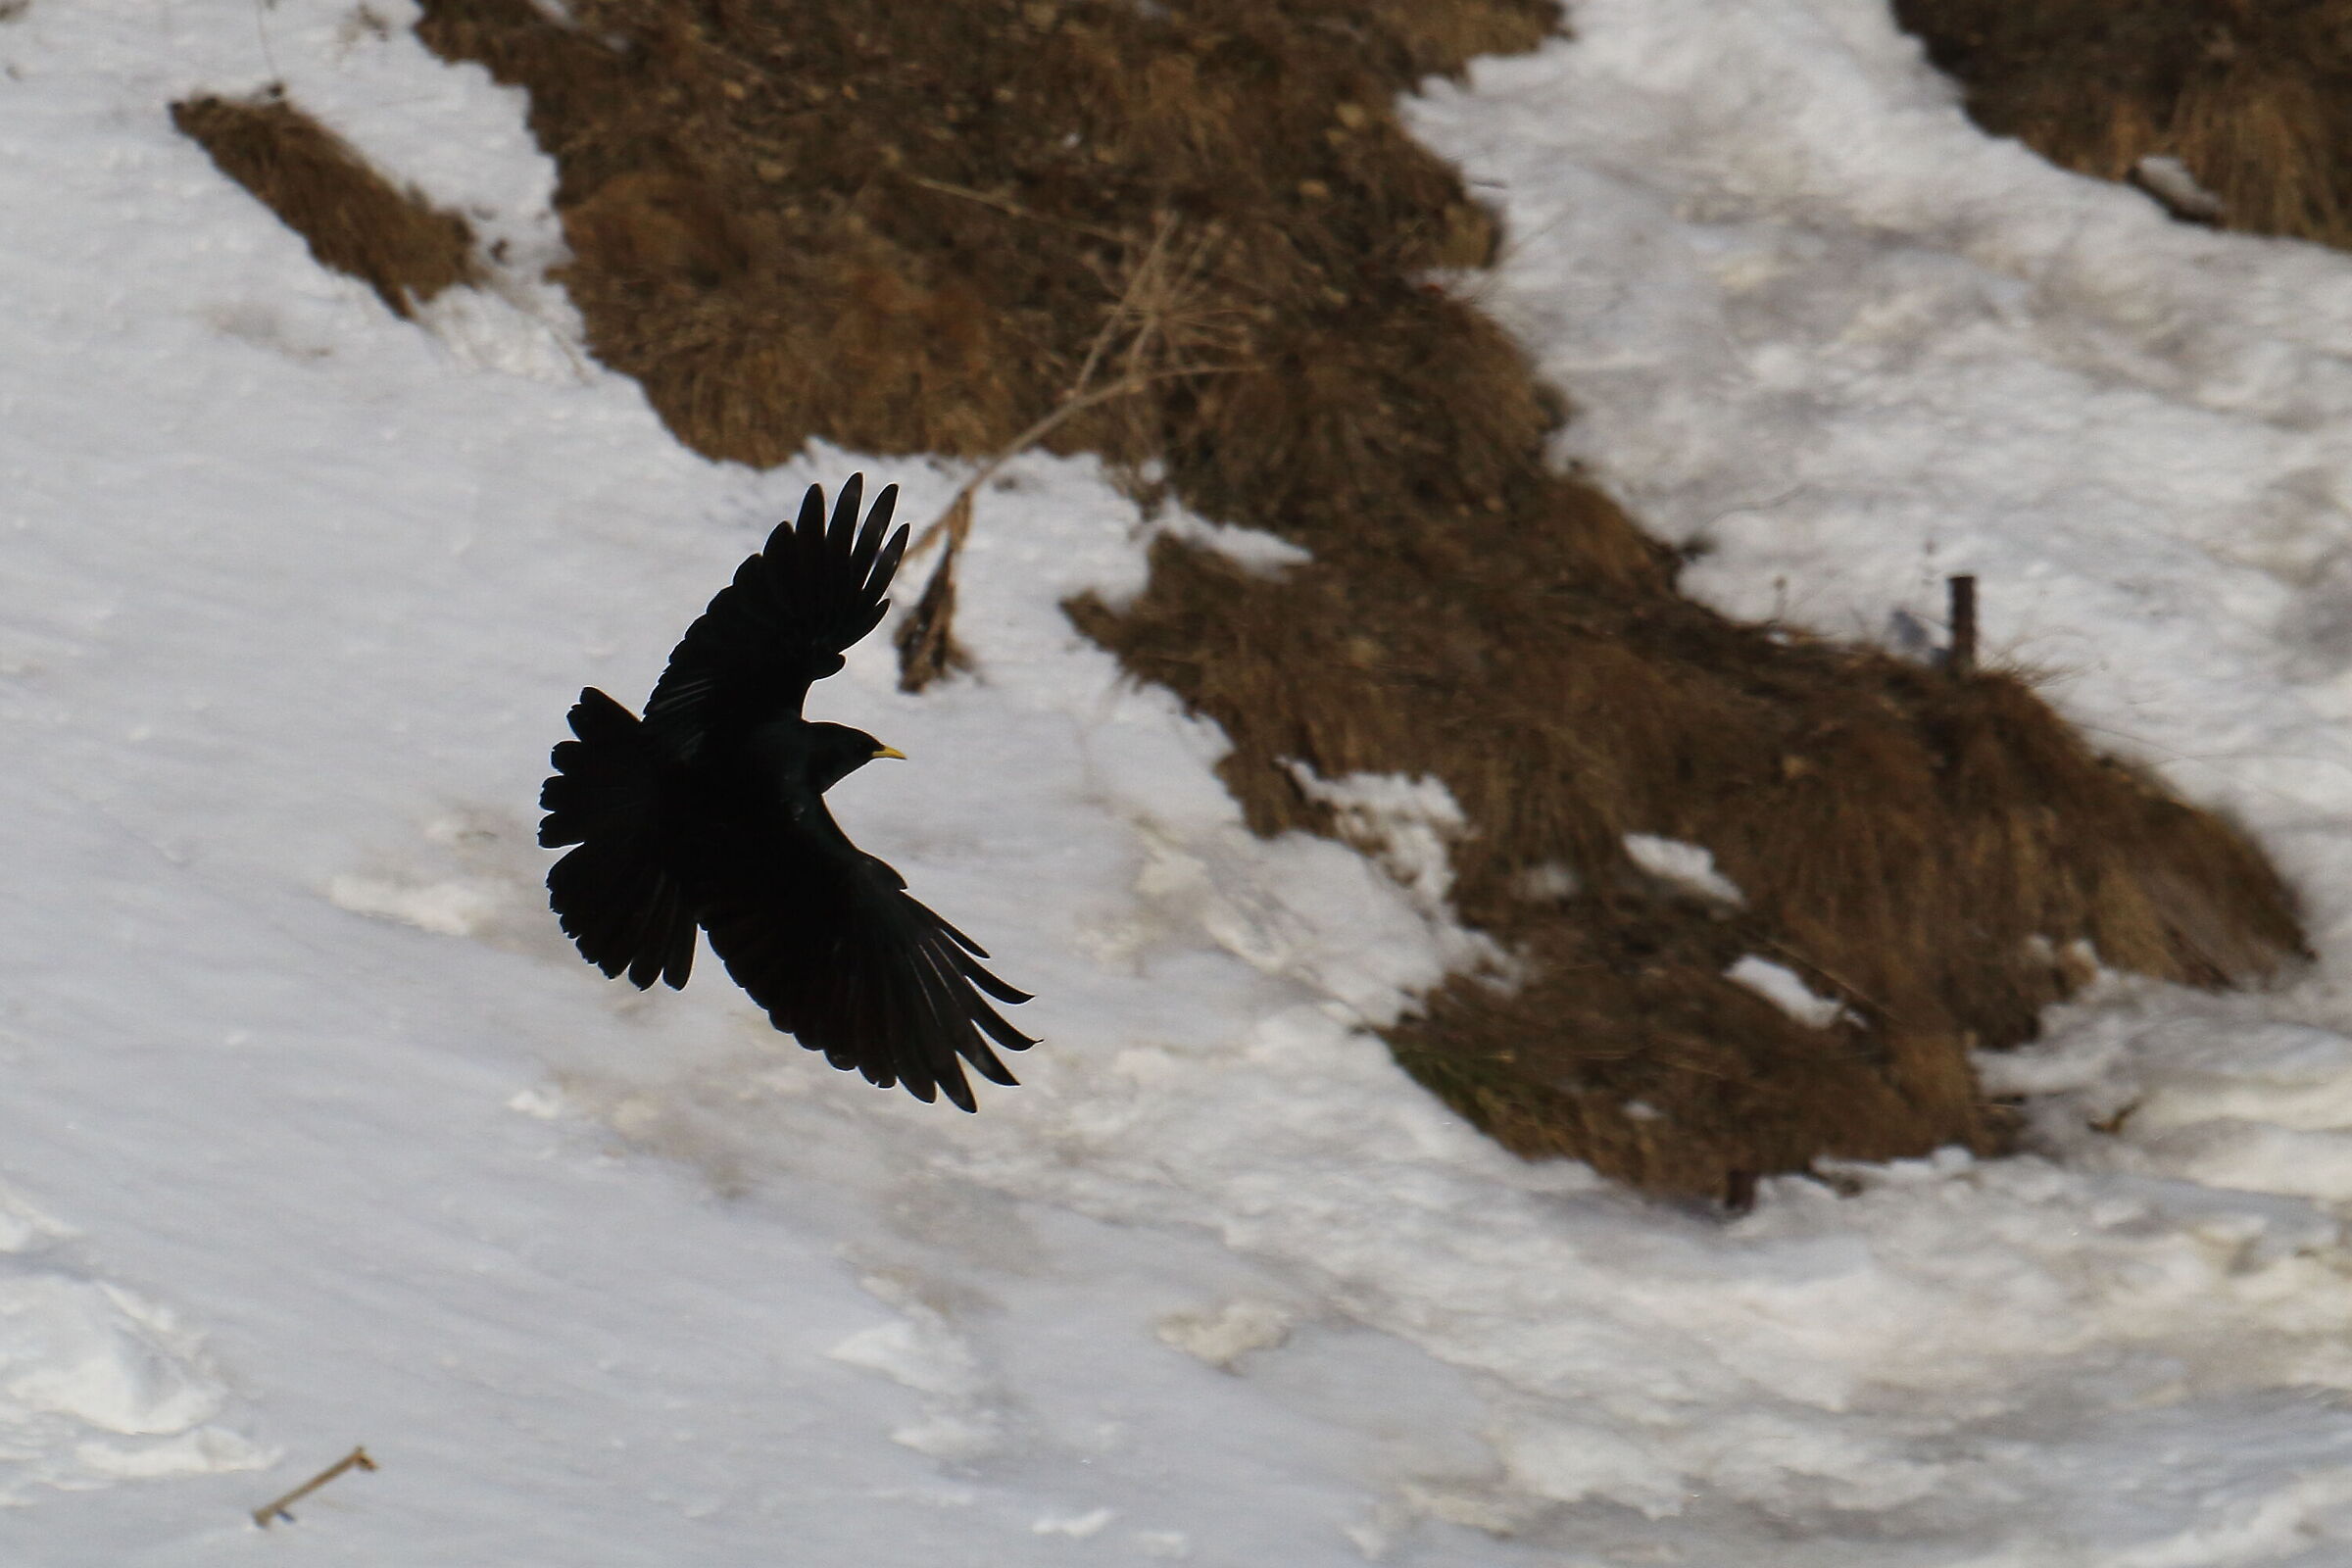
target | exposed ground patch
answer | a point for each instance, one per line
(356, 220)
(1194, 238)
(2254, 99)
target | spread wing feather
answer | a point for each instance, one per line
(795, 605)
(615, 893)
(850, 966)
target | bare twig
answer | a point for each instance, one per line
(1014, 209)
(926, 640)
(356, 1459)
(1153, 308)
(1832, 976)
(959, 508)
(1125, 305)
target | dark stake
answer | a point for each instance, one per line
(1739, 1191)
(709, 811)
(1963, 657)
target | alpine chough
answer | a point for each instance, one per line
(711, 812)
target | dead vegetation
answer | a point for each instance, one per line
(1193, 237)
(2254, 98)
(1903, 838)
(1166, 326)
(355, 220)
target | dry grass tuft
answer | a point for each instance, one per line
(355, 220)
(1194, 235)
(1919, 847)
(2255, 99)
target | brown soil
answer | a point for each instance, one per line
(354, 220)
(1195, 234)
(2254, 96)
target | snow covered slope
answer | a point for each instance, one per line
(315, 1132)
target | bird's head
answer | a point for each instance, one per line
(836, 751)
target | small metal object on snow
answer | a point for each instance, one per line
(355, 1458)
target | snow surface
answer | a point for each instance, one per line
(1786, 990)
(1688, 867)
(316, 1133)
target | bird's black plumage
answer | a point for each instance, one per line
(709, 811)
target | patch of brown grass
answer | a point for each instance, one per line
(354, 219)
(1195, 233)
(1920, 847)
(2254, 98)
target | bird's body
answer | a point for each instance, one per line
(709, 812)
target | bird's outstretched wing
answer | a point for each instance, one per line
(828, 941)
(783, 623)
(614, 893)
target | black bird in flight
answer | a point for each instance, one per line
(711, 812)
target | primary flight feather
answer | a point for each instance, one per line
(709, 812)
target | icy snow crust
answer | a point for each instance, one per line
(315, 1132)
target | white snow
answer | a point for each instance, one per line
(316, 1133)
(2170, 181)
(85, 1364)
(1253, 550)
(1407, 827)
(1687, 867)
(1786, 990)
(1547, 880)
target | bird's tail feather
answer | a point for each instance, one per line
(611, 892)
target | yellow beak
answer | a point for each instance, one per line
(891, 751)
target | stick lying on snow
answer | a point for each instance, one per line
(277, 1510)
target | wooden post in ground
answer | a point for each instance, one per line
(1963, 657)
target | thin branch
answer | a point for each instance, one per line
(356, 1459)
(1038, 432)
(1123, 307)
(1155, 288)
(1016, 209)
(1832, 976)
